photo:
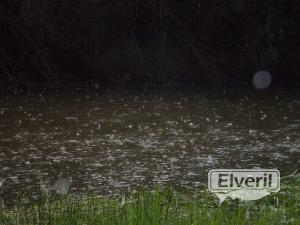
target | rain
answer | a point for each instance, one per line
(108, 143)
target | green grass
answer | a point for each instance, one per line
(162, 206)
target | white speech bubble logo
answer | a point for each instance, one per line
(244, 184)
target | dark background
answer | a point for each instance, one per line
(110, 43)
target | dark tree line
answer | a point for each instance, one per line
(155, 42)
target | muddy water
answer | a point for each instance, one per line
(109, 142)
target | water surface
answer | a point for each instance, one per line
(113, 141)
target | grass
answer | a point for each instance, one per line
(162, 206)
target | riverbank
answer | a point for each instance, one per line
(163, 206)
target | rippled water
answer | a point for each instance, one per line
(105, 143)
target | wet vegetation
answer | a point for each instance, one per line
(102, 43)
(163, 206)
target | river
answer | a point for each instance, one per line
(109, 142)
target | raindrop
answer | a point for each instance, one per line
(173, 159)
(14, 179)
(1, 182)
(123, 201)
(262, 79)
(62, 186)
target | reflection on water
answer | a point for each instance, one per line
(107, 142)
